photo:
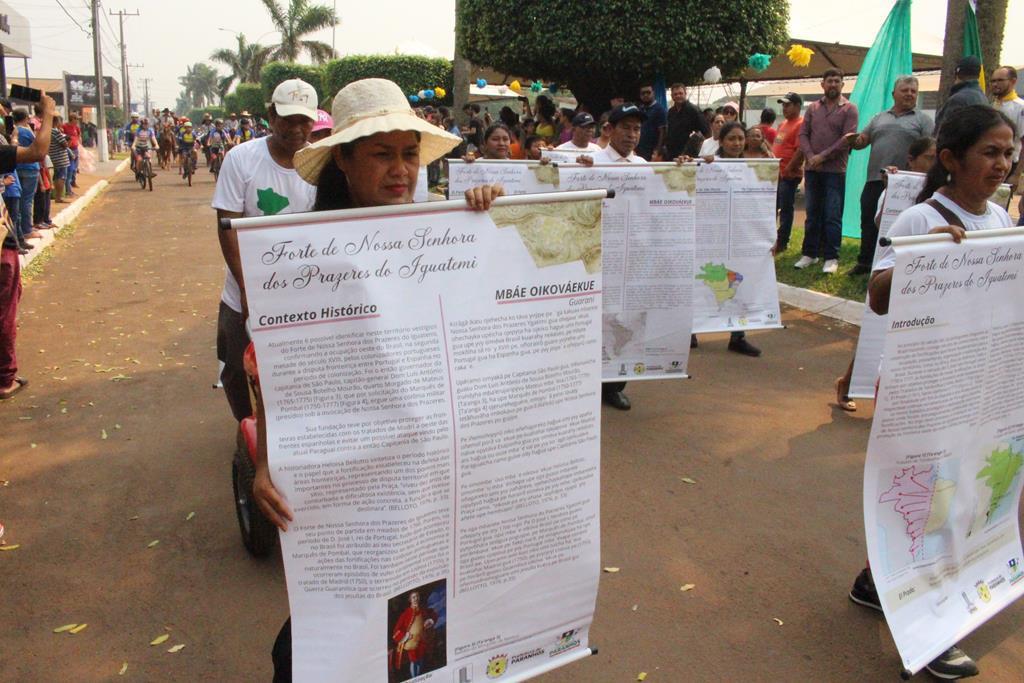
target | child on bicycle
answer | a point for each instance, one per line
(216, 141)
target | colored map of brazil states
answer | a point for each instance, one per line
(722, 282)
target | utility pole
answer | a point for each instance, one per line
(129, 82)
(145, 85)
(101, 112)
(125, 101)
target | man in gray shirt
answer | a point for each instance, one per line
(890, 134)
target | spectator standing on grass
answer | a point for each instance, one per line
(965, 91)
(74, 136)
(652, 136)
(683, 120)
(827, 122)
(791, 165)
(1004, 88)
(890, 134)
(61, 160)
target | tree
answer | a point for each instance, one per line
(275, 73)
(299, 20)
(412, 73)
(628, 43)
(245, 63)
(200, 83)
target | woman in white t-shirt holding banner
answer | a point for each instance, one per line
(974, 155)
(975, 152)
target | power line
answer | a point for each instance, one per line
(72, 18)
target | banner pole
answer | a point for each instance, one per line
(424, 207)
(946, 237)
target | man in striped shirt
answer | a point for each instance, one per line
(59, 157)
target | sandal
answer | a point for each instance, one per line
(843, 399)
(19, 384)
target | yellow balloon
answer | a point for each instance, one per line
(440, 92)
(514, 85)
(799, 55)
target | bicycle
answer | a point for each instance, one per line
(216, 156)
(188, 166)
(144, 174)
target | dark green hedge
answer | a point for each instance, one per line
(274, 73)
(246, 97)
(412, 73)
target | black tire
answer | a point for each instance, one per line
(149, 179)
(141, 174)
(188, 171)
(258, 535)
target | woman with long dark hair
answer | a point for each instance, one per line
(974, 156)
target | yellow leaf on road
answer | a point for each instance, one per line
(153, 544)
(10, 547)
(65, 627)
(686, 587)
(777, 621)
(687, 480)
(642, 676)
(124, 667)
(190, 516)
(611, 570)
(160, 639)
(103, 434)
(78, 629)
(176, 648)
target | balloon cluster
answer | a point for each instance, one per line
(799, 55)
(759, 61)
(428, 94)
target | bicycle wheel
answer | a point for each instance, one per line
(141, 174)
(149, 177)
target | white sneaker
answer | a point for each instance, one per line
(831, 266)
(804, 262)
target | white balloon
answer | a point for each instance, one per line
(502, 89)
(713, 75)
(422, 95)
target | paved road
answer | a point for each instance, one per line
(117, 337)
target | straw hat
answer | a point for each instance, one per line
(366, 107)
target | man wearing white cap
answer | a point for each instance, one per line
(258, 179)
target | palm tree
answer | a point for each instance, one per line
(300, 19)
(245, 64)
(200, 83)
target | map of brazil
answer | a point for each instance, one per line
(998, 481)
(920, 496)
(722, 282)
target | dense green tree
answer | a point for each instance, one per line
(274, 73)
(295, 22)
(246, 97)
(621, 44)
(412, 73)
(245, 63)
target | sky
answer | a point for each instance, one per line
(172, 34)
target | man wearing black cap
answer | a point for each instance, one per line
(965, 91)
(791, 165)
(624, 123)
(582, 139)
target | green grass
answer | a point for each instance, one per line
(838, 284)
(34, 269)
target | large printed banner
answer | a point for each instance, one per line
(431, 382)
(647, 250)
(735, 287)
(945, 461)
(517, 177)
(901, 193)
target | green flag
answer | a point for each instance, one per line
(972, 41)
(888, 58)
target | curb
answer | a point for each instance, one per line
(851, 312)
(68, 214)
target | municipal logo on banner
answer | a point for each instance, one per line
(497, 666)
(567, 641)
(983, 592)
(1016, 572)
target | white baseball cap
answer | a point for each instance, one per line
(295, 96)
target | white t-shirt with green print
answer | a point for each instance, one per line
(251, 182)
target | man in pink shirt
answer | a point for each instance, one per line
(822, 138)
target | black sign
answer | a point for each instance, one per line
(81, 90)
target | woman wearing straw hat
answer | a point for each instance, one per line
(371, 158)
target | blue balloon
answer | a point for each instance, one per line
(481, 83)
(553, 88)
(429, 94)
(414, 98)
